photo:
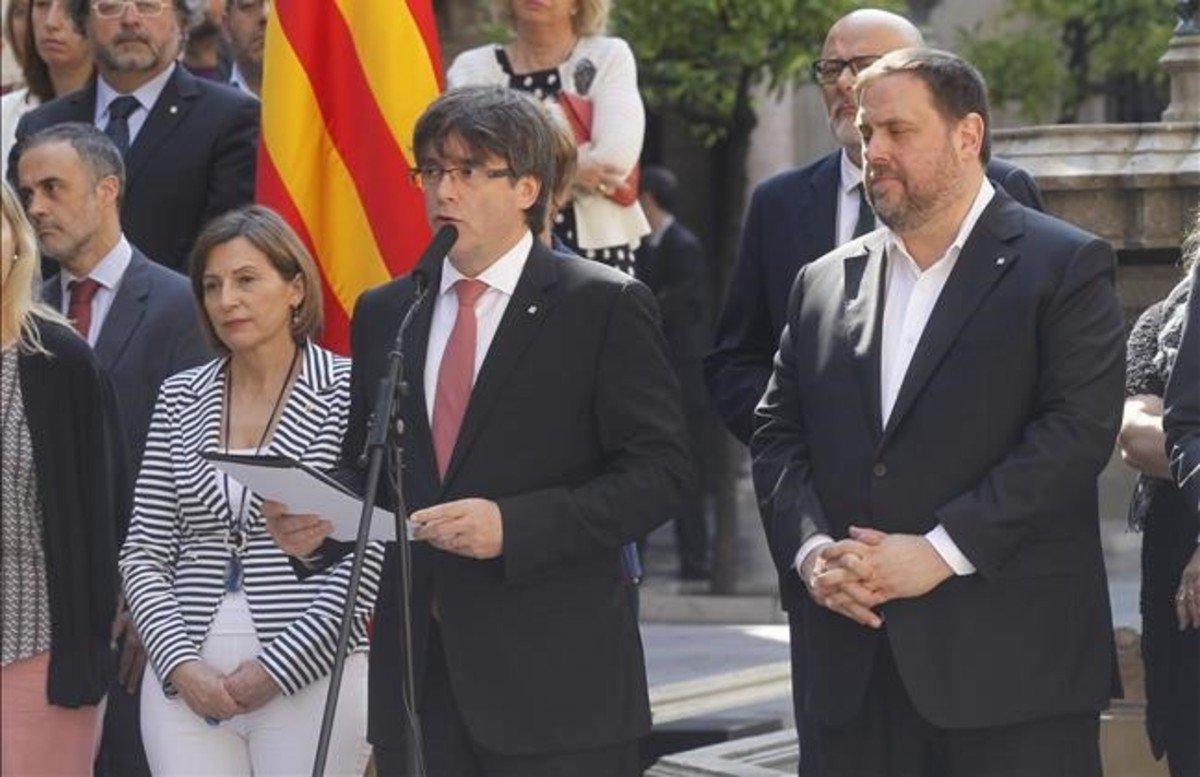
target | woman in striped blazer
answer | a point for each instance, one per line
(241, 648)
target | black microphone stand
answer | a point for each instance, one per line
(385, 432)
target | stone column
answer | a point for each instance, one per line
(1182, 63)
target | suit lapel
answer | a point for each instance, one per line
(523, 317)
(83, 104)
(865, 291)
(820, 211)
(127, 311)
(985, 258)
(166, 113)
(419, 437)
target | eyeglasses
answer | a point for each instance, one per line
(429, 176)
(827, 71)
(112, 9)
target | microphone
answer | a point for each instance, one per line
(441, 244)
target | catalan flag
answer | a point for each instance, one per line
(344, 82)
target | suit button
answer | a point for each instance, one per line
(879, 470)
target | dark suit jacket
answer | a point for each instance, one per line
(1181, 401)
(792, 220)
(151, 332)
(574, 429)
(1006, 416)
(193, 159)
(678, 272)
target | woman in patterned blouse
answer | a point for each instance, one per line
(1170, 650)
(560, 56)
(61, 496)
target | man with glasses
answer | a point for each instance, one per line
(543, 432)
(794, 218)
(189, 144)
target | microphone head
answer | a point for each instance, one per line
(444, 240)
(441, 244)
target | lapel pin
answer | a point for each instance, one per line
(531, 309)
(174, 109)
(1000, 262)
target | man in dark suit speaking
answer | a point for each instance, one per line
(543, 432)
(189, 145)
(946, 392)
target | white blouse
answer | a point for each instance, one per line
(618, 127)
(13, 106)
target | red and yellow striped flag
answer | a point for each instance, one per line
(344, 82)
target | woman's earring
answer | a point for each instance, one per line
(295, 315)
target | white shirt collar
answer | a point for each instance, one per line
(657, 235)
(236, 79)
(982, 199)
(147, 94)
(502, 275)
(852, 175)
(108, 271)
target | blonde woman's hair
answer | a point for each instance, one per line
(20, 298)
(590, 17)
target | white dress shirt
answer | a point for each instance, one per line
(501, 278)
(147, 95)
(108, 272)
(238, 81)
(848, 202)
(911, 297)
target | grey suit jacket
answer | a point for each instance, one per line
(152, 331)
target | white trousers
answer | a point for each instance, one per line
(280, 738)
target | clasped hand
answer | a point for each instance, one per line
(210, 694)
(855, 576)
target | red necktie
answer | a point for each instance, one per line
(456, 374)
(79, 309)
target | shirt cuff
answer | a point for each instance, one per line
(939, 538)
(811, 544)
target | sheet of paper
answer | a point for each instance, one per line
(305, 493)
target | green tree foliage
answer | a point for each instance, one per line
(1049, 56)
(702, 59)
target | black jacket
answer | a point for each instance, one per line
(678, 272)
(79, 459)
(1006, 416)
(193, 160)
(574, 428)
(1181, 402)
(792, 220)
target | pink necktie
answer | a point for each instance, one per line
(456, 373)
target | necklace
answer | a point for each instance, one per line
(236, 539)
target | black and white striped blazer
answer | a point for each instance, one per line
(174, 558)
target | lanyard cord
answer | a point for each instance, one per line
(239, 517)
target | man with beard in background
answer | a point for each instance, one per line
(189, 144)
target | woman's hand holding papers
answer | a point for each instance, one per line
(296, 535)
